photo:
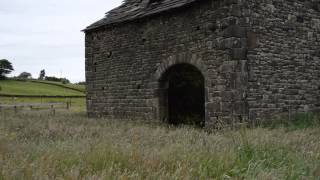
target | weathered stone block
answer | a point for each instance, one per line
(235, 31)
(239, 53)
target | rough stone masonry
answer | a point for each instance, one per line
(259, 58)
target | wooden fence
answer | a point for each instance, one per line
(35, 96)
(36, 106)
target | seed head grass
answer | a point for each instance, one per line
(36, 145)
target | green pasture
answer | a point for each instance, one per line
(13, 87)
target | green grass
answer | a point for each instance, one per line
(13, 87)
(77, 104)
(75, 86)
(35, 145)
(297, 121)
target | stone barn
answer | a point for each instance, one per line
(204, 61)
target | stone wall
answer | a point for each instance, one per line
(284, 64)
(257, 58)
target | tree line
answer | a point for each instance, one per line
(6, 68)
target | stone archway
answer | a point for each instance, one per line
(183, 95)
(182, 90)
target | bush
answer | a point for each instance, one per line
(25, 75)
(62, 80)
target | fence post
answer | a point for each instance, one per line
(68, 105)
(15, 109)
(53, 111)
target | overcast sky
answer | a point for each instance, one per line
(46, 34)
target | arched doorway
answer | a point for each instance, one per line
(182, 97)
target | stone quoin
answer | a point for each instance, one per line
(251, 60)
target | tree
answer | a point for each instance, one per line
(52, 78)
(42, 74)
(5, 68)
(25, 75)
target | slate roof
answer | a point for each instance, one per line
(135, 9)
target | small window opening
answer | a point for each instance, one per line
(110, 54)
(95, 67)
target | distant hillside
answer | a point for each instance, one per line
(41, 88)
(75, 87)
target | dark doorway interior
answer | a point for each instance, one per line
(185, 97)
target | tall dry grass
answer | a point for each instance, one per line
(71, 146)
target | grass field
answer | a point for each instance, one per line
(75, 86)
(71, 146)
(77, 104)
(13, 87)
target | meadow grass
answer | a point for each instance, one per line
(72, 146)
(77, 104)
(75, 86)
(13, 87)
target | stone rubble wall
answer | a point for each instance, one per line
(284, 64)
(258, 58)
(122, 61)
